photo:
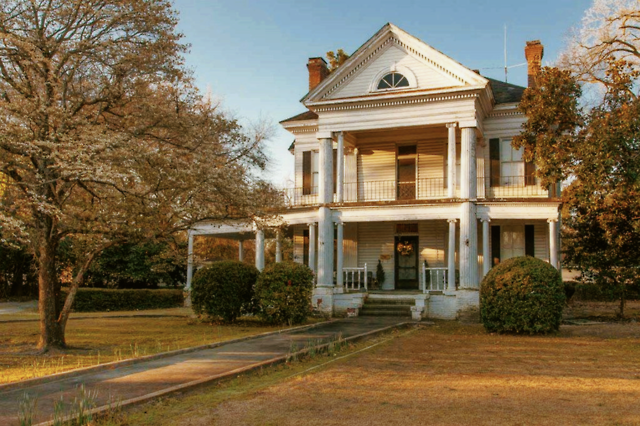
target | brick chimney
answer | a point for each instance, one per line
(533, 51)
(318, 71)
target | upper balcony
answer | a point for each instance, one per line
(413, 166)
(425, 189)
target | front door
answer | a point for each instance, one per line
(406, 249)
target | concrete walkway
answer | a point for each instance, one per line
(145, 380)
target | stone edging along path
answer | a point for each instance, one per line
(100, 317)
(210, 379)
(131, 361)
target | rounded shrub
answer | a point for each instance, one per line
(522, 295)
(284, 292)
(224, 289)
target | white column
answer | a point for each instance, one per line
(325, 248)
(278, 246)
(240, 250)
(340, 254)
(189, 261)
(340, 168)
(486, 254)
(451, 162)
(325, 190)
(451, 263)
(312, 246)
(260, 249)
(553, 240)
(468, 220)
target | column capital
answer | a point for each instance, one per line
(552, 219)
(338, 222)
(324, 135)
(452, 220)
(312, 224)
(451, 125)
(485, 219)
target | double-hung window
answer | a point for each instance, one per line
(511, 164)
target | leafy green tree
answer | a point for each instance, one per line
(598, 150)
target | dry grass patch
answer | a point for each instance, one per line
(101, 340)
(448, 374)
(602, 310)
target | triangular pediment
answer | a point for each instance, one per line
(393, 50)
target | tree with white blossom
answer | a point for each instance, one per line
(106, 140)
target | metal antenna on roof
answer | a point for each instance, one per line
(505, 55)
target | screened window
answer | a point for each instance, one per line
(393, 80)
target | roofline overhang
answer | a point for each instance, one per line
(361, 52)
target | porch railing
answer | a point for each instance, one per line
(355, 279)
(434, 279)
(300, 196)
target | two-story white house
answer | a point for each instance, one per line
(403, 157)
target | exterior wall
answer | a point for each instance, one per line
(375, 241)
(426, 76)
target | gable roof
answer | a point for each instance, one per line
(390, 36)
(505, 93)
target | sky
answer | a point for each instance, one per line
(252, 54)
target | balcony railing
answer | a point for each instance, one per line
(420, 189)
(510, 187)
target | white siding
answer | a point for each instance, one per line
(432, 165)
(432, 237)
(427, 77)
(350, 245)
(375, 241)
(377, 172)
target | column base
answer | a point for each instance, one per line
(322, 300)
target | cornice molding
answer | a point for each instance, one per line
(395, 102)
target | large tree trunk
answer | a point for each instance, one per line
(51, 334)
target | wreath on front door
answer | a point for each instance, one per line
(405, 248)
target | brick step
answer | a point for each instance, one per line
(377, 307)
(386, 301)
(376, 313)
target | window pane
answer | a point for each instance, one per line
(505, 150)
(518, 168)
(517, 154)
(505, 171)
(383, 85)
(402, 82)
(315, 161)
(389, 79)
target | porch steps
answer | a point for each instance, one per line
(387, 307)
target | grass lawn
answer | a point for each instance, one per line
(447, 374)
(100, 340)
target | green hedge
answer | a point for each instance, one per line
(284, 293)
(522, 294)
(224, 289)
(104, 300)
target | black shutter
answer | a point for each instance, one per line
(494, 156)
(495, 245)
(306, 172)
(529, 241)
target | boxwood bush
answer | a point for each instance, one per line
(104, 300)
(224, 289)
(284, 292)
(522, 295)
